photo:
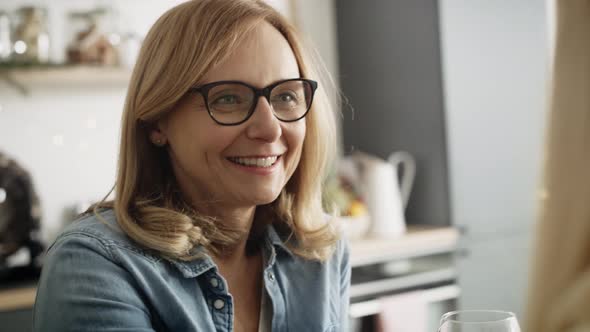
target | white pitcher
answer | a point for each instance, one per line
(386, 200)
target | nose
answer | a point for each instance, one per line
(263, 125)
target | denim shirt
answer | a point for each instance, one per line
(96, 279)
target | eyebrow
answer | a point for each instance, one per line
(200, 84)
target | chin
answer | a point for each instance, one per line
(264, 198)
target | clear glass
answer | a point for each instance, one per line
(233, 102)
(479, 321)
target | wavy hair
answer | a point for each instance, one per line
(179, 49)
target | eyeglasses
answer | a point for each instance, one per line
(231, 103)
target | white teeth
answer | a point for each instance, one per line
(258, 162)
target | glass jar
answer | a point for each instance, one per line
(31, 39)
(5, 40)
(94, 41)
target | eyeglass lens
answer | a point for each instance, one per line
(232, 102)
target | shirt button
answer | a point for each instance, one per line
(219, 304)
(271, 276)
(214, 282)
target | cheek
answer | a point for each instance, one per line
(220, 139)
(295, 139)
(190, 141)
(301, 137)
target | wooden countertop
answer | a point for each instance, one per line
(418, 241)
(17, 298)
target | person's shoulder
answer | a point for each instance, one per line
(99, 233)
(341, 248)
(341, 256)
(83, 265)
(102, 226)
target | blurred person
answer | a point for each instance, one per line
(559, 295)
(217, 221)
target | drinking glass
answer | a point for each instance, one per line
(479, 321)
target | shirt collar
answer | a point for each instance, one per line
(275, 239)
(198, 266)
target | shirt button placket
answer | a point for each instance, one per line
(219, 304)
(275, 301)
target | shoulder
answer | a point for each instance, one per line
(98, 232)
(102, 224)
(341, 249)
(341, 258)
(86, 267)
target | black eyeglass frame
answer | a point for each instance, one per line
(264, 92)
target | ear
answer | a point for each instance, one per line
(157, 136)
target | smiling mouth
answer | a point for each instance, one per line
(263, 162)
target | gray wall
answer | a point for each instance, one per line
(390, 71)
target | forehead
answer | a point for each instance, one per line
(263, 57)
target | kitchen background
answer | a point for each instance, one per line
(458, 84)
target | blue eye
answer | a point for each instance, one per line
(286, 98)
(227, 100)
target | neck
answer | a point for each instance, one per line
(242, 219)
(232, 217)
(240, 256)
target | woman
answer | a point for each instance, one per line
(216, 223)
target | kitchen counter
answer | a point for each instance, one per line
(418, 241)
(21, 297)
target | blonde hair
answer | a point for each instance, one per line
(184, 43)
(559, 295)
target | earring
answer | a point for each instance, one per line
(159, 142)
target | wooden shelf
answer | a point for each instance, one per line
(418, 241)
(26, 77)
(68, 75)
(17, 298)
